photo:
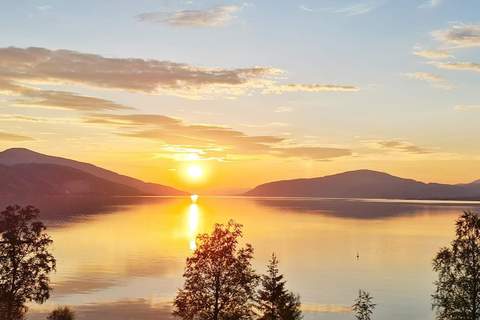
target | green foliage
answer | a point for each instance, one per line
(457, 293)
(61, 313)
(25, 262)
(274, 301)
(219, 279)
(363, 306)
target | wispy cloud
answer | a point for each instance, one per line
(353, 9)
(459, 35)
(283, 109)
(213, 17)
(305, 8)
(209, 141)
(4, 136)
(39, 65)
(432, 54)
(461, 65)
(27, 96)
(466, 108)
(431, 3)
(396, 146)
(282, 88)
(433, 79)
(357, 9)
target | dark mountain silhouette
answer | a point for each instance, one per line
(366, 184)
(51, 179)
(17, 156)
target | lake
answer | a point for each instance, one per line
(123, 258)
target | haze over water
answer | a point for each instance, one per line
(123, 258)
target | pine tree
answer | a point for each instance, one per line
(363, 306)
(274, 301)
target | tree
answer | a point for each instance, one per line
(61, 313)
(274, 301)
(219, 279)
(25, 262)
(363, 306)
(457, 293)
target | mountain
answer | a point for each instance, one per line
(16, 156)
(51, 179)
(366, 184)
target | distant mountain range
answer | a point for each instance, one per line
(367, 184)
(25, 172)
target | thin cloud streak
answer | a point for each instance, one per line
(397, 146)
(463, 66)
(214, 17)
(433, 79)
(432, 54)
(5, 136)
(466, 108)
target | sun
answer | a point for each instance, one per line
(194, 171)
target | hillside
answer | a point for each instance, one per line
(49, 179)
(365, 184)
(16, 156)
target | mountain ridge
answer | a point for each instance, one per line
(365, 183)
(15, 156)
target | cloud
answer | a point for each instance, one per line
(213, 17)
(305, 8)
(459, 35)
(282, 88)
(44, 66)
(353, 9)
(26, 96)
(67, 100)
(466, 108)
(357, 9)
(283, 109)
(431, 4)
(466, 66)
(432, 54)
(4, 136)
(434, 80)
(204, 141)
(397, 146)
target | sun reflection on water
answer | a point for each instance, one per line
(193, 222)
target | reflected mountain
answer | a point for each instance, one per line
(362, 209)
(66, 208)
(118, 310)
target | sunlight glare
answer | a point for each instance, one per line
(195, 171)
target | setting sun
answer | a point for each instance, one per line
(194, 172)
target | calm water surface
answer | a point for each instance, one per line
(123, 258)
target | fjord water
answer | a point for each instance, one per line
(123, 258)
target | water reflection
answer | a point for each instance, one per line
(193, 221)
(133, 251)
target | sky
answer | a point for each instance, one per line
(249, 92)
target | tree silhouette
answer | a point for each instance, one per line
(274, 301)
(219, 279)
(61, 313)
(457, 293)
(363, 306)
(25, 262)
